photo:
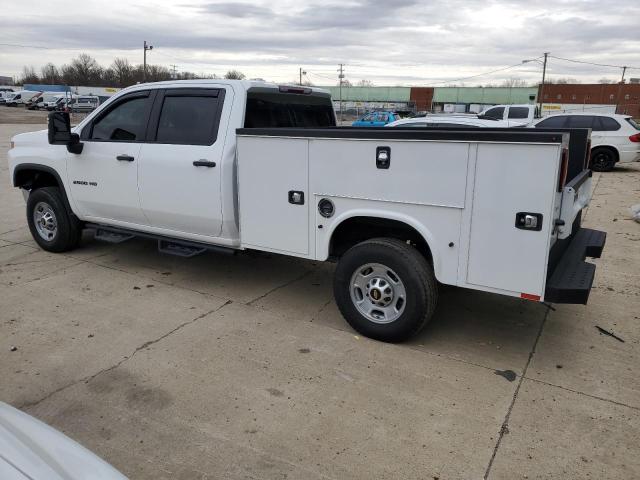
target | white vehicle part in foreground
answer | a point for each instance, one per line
(31, 450)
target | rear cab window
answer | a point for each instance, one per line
(271, 108)
(187, 116)
(518, 112)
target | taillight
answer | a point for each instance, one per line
(564, 167)
(587, 157)
(635, 137)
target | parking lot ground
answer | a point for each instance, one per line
(241, 367)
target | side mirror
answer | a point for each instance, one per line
(60, 132)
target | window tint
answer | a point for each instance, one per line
(126, 122)
(497, 112)
(581, 121)
(267, 109)
(188, 120)
(518, 112)
(556, 121)
(607, 124)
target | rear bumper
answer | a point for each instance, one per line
(572, 278)
(627, 156)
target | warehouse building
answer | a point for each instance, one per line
(621, 98)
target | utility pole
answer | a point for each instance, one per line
(624, 70)
(544, 72)
(144, 65)
(173, 71)
(340, 77)
(302, 72)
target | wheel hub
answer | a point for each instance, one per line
(378, 293)
(45, 221)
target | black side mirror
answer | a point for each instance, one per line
(60, 132)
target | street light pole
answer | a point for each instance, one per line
(544, 72)
(340, 77)
(144, 65)
(302, 72)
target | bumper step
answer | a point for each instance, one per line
(572, 279)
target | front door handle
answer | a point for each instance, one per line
(204, 163)
(125, 158)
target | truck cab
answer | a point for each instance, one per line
(514, 115)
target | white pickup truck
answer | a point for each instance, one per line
(240, 165)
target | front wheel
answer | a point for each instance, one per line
(385, 289)
(51, 225)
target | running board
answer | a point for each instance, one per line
(173, 247)
(111, 236)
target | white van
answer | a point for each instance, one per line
(21, 98)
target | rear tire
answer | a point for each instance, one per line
(385, 289)
(603, 159)
(52, 226)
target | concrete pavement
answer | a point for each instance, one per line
(241, 366)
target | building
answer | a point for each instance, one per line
(621, 98)
(357, 100)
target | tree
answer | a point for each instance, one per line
(49, 74)
(605, 80)
(364, 83)
(234, 75)
(345, 83)
(122, 72)
(86, 69)
(29, 75)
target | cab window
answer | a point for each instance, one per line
(497, 112)
(125, 122)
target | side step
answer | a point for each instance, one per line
(111, 236)
(173, 247)
(572, 279)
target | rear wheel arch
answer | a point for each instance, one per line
(358, 228)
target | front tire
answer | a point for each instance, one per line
(51, 225)
(602, 159)
(385, 289)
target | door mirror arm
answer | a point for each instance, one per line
(75, 145)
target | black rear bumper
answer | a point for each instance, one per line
(572, 277)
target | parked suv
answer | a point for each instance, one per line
(614, 138)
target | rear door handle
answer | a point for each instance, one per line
(204, 163)
(125, 158)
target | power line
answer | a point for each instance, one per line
(593, 63)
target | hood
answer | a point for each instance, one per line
(30, 449)
(31, 138)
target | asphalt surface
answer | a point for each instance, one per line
(241, 367)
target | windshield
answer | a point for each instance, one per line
(633, 123)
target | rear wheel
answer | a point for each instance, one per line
(51, 225)
(603, 159)
(385, 289)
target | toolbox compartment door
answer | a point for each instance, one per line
(512, 179)
(273, 178)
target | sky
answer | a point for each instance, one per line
(388, 42)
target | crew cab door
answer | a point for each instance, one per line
(180, 166)
(103, 178)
